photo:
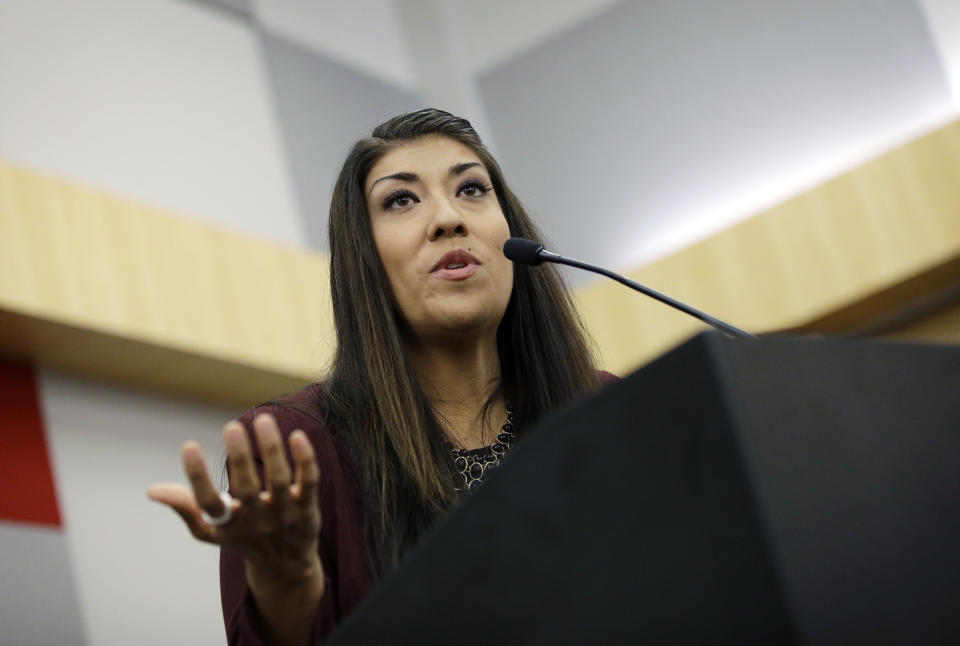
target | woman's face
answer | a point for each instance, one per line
(439, 230)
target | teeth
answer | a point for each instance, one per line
(455, 265)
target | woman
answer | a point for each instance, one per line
(446, 352)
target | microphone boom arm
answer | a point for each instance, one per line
(731, 330)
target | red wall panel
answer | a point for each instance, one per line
(28, 493)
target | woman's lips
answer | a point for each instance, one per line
(460, 273)
(443, 269)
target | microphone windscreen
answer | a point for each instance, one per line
(523, 251)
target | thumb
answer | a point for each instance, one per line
(173, 495)
(181, 500)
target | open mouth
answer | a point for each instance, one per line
(455, 259)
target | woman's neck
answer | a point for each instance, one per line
(459, 378)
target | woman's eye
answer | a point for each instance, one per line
(399, 200)
(474, 188)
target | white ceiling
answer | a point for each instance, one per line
(365, 34)
(371, 35)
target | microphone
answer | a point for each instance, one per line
(528, 252)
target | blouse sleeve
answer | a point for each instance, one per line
(243, 621)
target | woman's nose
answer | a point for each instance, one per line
(447, 221)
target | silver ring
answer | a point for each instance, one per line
(227, 514)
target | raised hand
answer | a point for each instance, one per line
(273, 524)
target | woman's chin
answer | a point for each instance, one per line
(460, 322)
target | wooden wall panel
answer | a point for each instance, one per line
(95, 283)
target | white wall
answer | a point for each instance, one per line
(161, 101)
(943, 18)
(38, 596)
(139, 575)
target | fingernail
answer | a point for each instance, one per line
(300, 437)
(232, 427)
(263, 417)
(190, 450)
(233, 436)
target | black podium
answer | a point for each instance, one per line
(769, 491)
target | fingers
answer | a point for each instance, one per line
(255, 512)
(308, 474)
(243, 472)
(276, 470)
(207, 496)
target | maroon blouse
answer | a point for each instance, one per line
(342, 552)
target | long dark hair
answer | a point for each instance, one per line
(373, 398)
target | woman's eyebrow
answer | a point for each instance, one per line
(456, 169)
(403, 176)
